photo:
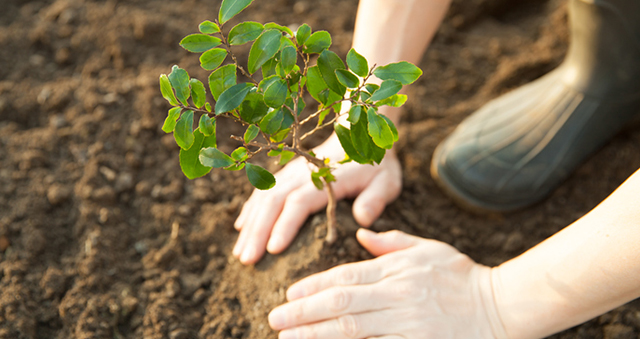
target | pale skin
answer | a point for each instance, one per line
(419, 288)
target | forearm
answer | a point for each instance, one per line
(586, 269)
(388, 31)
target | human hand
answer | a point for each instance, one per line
(270, 219)
(416, 288)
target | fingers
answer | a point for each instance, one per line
(298, 205)
(363, 325)
(382, 243)
(364, 272)
(383, 189)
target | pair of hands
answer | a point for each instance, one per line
(269, 220)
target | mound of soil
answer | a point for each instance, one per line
(101, 236)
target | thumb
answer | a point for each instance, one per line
(383, 189)
(387, 242)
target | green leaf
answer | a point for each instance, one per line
(317, 182)
(403, 71)
(251, 133)
(276, 93)
(213, 157)
(167, 91)
(189, 159)
(357, 63)
(266, 82)
(259, 177)
(285, 157)
(363, 143)
(253, 108)
(394, 101)
(263, 49)
(371, 88)
(379, 130)
(207, 106)
(328, 63)
(315, 84)
(394, 130)
(198, 94)
(387, 89)
(245, 32)
(291, 104)
(198, 43)
(170, 122)
(280, 135)
(354, 114)
(323, 115)
(232, 97)
(235, 167)
(269, 68)
(208, 27)
(272, 122)
(317, 42)
(347, 78)
(211, 59)
(344, 136)
(288, 58)
(231, 8)
(283, 29)
(302, 34)
(179, 79)
(240, 154)
(221, 79)
(207, 125)
(183, 133)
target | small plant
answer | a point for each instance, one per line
(270, 104)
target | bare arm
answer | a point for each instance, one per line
(588, 268)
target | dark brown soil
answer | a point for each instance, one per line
(101, 236)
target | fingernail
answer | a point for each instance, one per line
(276, 319)
(236, 250)
(275, 243)
(248, 255)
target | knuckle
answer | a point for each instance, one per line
(349, 326)
(339, 299)
(347, 276)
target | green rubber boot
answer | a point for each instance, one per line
(518, 148)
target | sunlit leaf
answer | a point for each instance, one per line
(288, 58)
(245, 32)
(170, 122)
(239, 154)
(354, 113)
(276, 93)
(167, 91)
(221, 79)
(183, 132)
(208, 27)
(213, 157)
(328, 63)
(189, 159)
(344, 135)
(211, 59)
(198, 93)
(363, 143)
(198, 43)
(283, 29)
(317, 42)
(302, 34)
(231, 8)
(387, 89)
(403, 71)
(394, 101)
(263, 49)
(394, 130)
(179, 79)
(357, 63)
(207, 125)
(379, 130)
(251, 133)
(347, 78)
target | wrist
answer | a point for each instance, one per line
(487, 298)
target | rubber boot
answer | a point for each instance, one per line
(518, 148)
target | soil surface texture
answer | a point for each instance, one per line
(101, 236)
